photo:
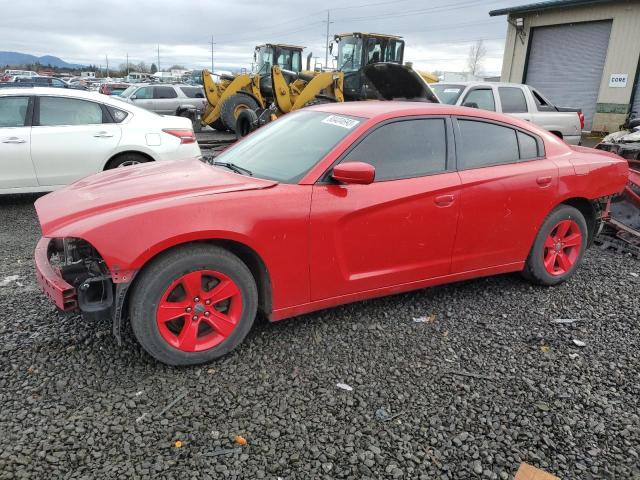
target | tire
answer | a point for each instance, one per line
(558, 248)
(218, 126)
(125, 160)
(167, 331)
(246, 123)
(232, 107)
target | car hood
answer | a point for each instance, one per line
(141, 184)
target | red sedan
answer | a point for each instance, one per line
(329, 205)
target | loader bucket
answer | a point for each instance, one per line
(391, 81)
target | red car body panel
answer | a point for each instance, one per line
(327, 244)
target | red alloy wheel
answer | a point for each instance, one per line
(199, 310)
(562, 247)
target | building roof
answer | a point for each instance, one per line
(532, 7)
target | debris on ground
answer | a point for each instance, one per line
(222, 451)
(344, 386)
(178, 444)
(545, 348)
(579, 343)
(425, 319)
(240, 440)
(565, 321)
(528, 472)
(383, 416)
(8, 280)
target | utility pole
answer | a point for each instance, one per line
(127, 64)
(212, 44)
(326, 49)
(158, 57)
(107, 59)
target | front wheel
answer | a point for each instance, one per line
(193, 305)
(558, 248)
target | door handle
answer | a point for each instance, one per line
(103, 135)
(543, 181)
(444, 200)
(14, 140)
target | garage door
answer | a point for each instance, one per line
(635, 107)
(566, 62)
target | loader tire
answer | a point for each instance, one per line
(232, 106)
(218, 126)
(246, 123)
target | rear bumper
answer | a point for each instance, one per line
(50, 280)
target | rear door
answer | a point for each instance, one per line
(397, 230)
(16, 169)
(71, 138)
(508, 187)
(166, 99)
(480, 97)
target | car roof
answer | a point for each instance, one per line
(480, 84)
(64, 92)
(380, 110)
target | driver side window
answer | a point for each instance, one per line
(404, 149)
(482, 98)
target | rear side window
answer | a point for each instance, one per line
(483, 144)
(404, 149)
(528, 146)
(512, 99)
(164, 92)
(117, 114)
(193, 92)
(480, 98)
(13, 111)
(69, 111)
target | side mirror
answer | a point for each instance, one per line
(132, 97)
(470, 105)
(354, 172)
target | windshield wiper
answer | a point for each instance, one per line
(234, 168)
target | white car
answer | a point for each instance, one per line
(50, 137)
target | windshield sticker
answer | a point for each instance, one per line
(339, 121)
(451, 90)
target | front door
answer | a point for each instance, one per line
(508, 188)
(397, 230)
(69, 140)
(16, 169)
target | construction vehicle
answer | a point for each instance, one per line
(233, 94)
(369, 67)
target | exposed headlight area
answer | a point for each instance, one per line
(82, 267)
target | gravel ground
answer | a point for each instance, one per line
(488, 382)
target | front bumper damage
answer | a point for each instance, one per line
(75, 277)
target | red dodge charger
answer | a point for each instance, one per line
(328, 205)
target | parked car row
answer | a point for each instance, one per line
(51, 137)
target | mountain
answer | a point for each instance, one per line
(17, 58)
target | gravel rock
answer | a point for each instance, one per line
(71, 395)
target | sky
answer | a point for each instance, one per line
(438, 33)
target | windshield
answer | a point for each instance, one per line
(265, 59)
(288, 148)
(128, 91)
(447, 93)
(349, 54)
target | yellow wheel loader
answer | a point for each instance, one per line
(369, 68)
(229, 96)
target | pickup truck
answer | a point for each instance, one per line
(521, 101)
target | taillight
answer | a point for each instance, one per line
(581, 117)
(185, 135)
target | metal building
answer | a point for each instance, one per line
(578, 53)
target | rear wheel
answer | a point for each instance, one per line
(246, 123)
(558, 248)
(218, 125)
(193, 305)
(232, 106)
(126, 160)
